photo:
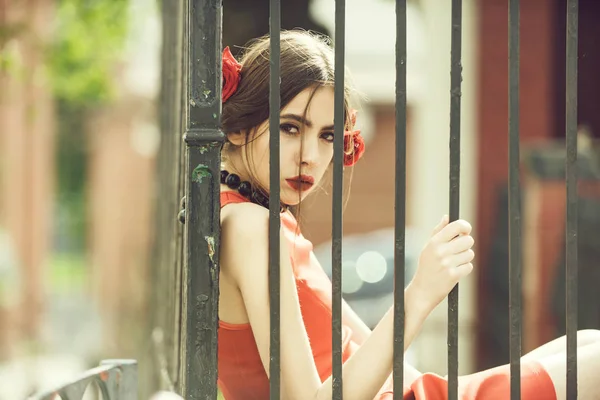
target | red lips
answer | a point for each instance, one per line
(301, 183)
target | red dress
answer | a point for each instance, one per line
(242, 375)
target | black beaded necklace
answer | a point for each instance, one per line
(245, 188)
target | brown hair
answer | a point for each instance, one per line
(306, 61)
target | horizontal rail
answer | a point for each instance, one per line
(116, 379)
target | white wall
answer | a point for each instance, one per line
(431, 143)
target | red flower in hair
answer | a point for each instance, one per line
(354, 144)
(354, 147)
(231, 74)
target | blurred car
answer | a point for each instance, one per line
(368, 270)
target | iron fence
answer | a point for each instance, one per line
(204, 140)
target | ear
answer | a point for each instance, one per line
(236, 138)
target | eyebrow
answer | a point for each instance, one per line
(302, 120)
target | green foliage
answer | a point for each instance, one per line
(88, 41)
(72, 170)
(82, 59)
(10, 62)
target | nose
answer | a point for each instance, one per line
(310, 151)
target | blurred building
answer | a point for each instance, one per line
(27, 144)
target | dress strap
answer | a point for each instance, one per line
(230, 197)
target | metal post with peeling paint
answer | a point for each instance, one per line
(204, 139)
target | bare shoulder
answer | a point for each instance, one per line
(244, 221)
(245, 242)
(244, 235)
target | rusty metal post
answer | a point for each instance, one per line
(203, 138)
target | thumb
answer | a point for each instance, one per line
(441, 225)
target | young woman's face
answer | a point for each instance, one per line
(306, 146)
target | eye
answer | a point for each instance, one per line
(328, 136)
(289, 129)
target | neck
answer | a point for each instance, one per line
(231, 179)
(233, 169)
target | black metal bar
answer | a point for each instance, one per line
(400, 201)
(203, 138)
(571, 183)
(274, 200)
(514, 206)
(455, 97)
(338, 181)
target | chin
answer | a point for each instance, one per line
(292, 201)
(292, 198)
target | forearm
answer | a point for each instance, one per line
(416, 311)
(360, 330)
(366, 371)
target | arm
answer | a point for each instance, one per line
(244, 255)
(361, 332)
(376, 352)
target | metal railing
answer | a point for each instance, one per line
(116, 380)
(204, 140)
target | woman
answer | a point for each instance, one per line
(306, 153)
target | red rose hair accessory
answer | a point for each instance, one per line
(354, 144)
(231, 74)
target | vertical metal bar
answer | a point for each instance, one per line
(455, 97)
(338, 179)
(400, 202)
(572, 212)
(203, 138)
(180, 165)
(274, 199)
(514, 206)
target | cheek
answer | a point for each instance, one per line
(260, 149)
(288, 149)
(328, 156)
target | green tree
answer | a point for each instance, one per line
(81, 59)
(87, 43)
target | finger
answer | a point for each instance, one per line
(457, 245)
(440, 226)
(462, 270)
(452, 230)
(455, 260)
